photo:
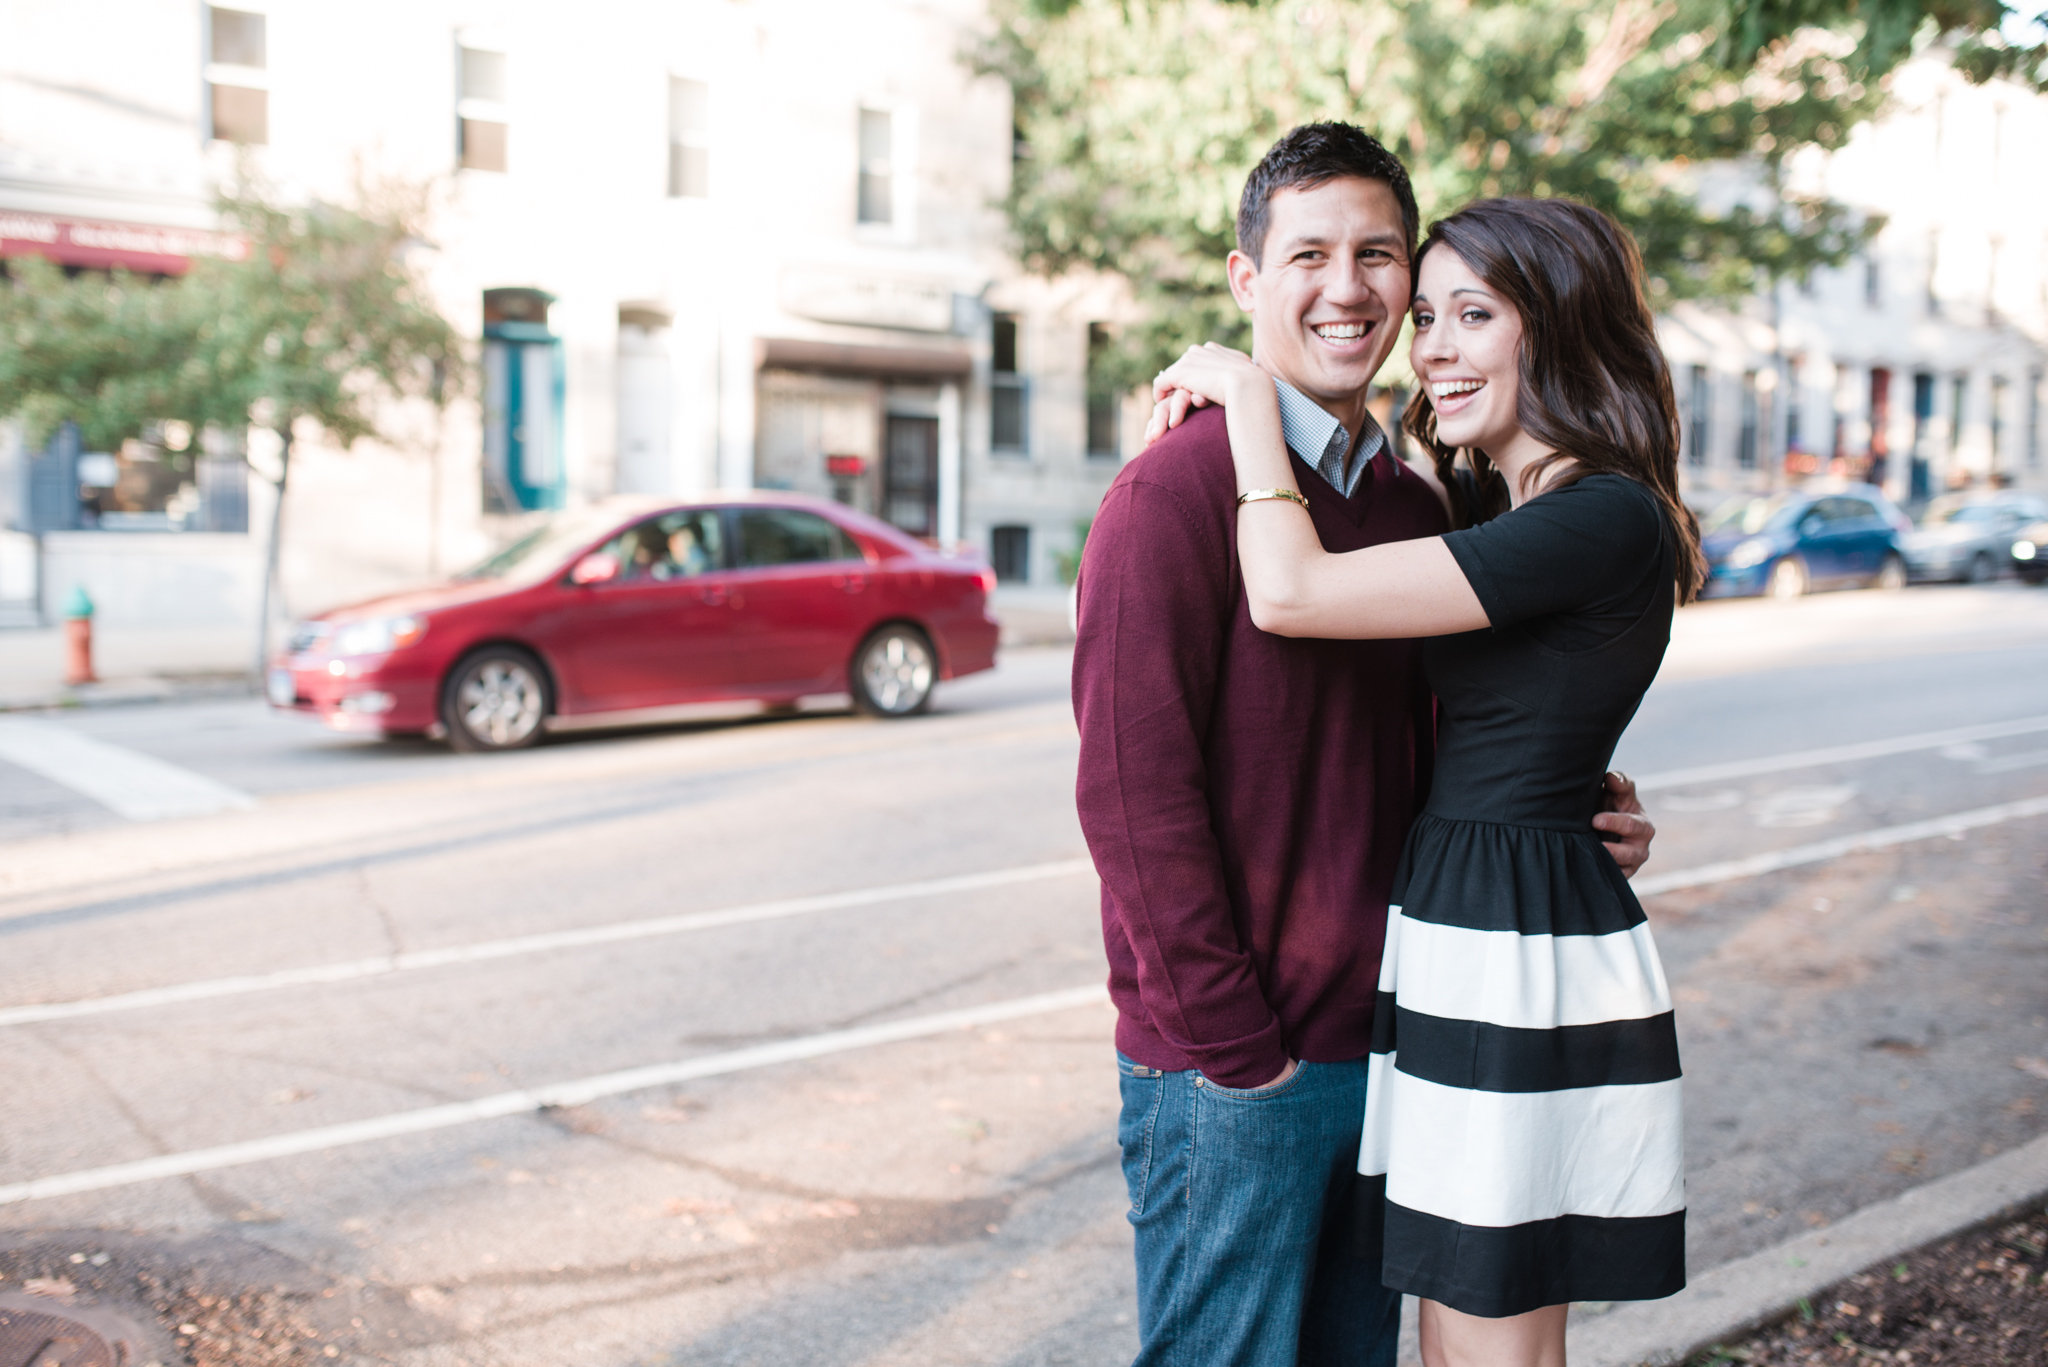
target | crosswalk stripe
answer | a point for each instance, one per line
(131, 784)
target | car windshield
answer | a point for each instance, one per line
(1746, 515)
(1954, 510)
(540, 552)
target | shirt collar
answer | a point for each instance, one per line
(1309, 429)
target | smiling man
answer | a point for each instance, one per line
(1246, 796)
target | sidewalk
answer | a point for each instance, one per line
(138, 664)
(135, 664)
(1033, 616)
(1724, 1303)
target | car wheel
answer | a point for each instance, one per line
(893, 672)
(1788, 579)
(1981, 571)
(495, 699)
(1891, 576)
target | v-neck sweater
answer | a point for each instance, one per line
(1245, 796)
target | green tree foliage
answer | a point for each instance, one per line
(324, 319)
(1137, 121)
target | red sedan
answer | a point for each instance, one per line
(635, 605)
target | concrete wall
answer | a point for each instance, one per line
(102, 115)
(156, 579)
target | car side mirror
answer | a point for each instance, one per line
(1810, 526)
(596, 568)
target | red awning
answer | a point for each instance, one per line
(146, 247)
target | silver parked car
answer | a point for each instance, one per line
(1969, 536)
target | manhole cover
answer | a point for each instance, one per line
(35, 1338)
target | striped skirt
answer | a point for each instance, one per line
(1523, 1130)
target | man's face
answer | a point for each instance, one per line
(1328, 299)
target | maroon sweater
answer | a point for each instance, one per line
(1245, 796)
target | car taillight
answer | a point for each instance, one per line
(988, 580)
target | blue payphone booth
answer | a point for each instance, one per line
(523, 386)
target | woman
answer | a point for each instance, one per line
(1522, 1135)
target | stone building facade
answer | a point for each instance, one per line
(697, 244)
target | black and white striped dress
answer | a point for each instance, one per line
(1523, 1140)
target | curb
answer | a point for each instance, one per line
(122, 692)
(1729, 1301)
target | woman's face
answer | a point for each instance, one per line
(1467, 339)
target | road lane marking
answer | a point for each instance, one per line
(616, 932)
(578, 1092)
(1838, 754)
(2006, 764)
(624, 931)
(138, 786)
(1821, 851)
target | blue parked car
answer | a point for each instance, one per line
(1784, 545)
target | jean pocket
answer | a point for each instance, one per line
(1143, 1090)
(1281, 1088)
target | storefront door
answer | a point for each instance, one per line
(910, 492)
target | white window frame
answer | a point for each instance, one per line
(704, 138)
(497, 111)
(232, 73)
(903, 140)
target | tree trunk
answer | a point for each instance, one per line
(284, 474)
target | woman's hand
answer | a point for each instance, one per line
(1206, 374)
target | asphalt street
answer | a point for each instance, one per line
(778, 1041)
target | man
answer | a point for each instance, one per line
(1246, 797)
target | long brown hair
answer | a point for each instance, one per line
(1594, 385)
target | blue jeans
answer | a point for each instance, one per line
(1241, 1201)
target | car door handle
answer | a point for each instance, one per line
(714, 597)
(851, 583)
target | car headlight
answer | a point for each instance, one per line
(1752, 552)
(379, 635)
(2024, 550)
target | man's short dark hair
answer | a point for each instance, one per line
(1309, 156)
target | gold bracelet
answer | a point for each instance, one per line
(1261, 495)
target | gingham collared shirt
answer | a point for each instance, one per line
(1312, 433)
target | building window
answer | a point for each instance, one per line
(1102, 395)
(1699, 415)
(1007, 389)
(689, 139)
(168, 479)
(238, 76)
(2033, 437)
(1991, 315)
(1873, 283)
(483, 123)
(1745, 444)
(877, 166)
(1999, 388)
(1933, 272)
(1958, 394)
(1917, 488)
(1795, 405)
(1010, 552)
